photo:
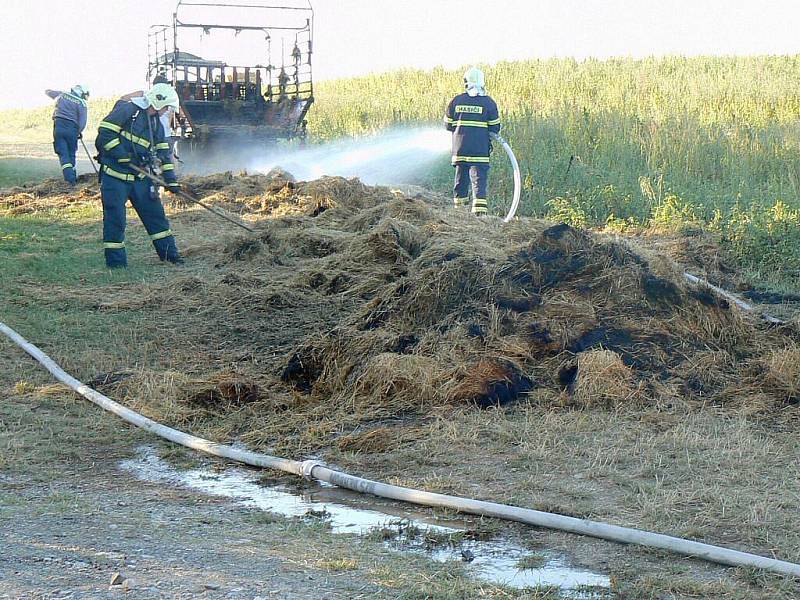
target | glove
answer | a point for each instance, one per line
(174, 187)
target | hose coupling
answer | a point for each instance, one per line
(307, 466)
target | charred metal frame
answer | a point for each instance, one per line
(218, 100)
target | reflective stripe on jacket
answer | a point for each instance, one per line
(129, 135)
(471, 119)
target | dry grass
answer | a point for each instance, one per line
(371, 331)
(357, 304)
(783, 374)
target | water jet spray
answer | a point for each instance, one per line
(389, 157)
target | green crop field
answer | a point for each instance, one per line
(674, 142)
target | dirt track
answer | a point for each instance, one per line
(71, 519)
(165, 543)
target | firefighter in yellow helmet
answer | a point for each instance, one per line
(471, 116)
(132, 134)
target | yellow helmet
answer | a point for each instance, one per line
(161, 95)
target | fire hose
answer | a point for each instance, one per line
(517, 179)
(313, 469)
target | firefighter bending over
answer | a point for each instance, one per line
(471, 116)
(132, 134)
(69, 120)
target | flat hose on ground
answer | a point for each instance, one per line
(733, 298)
(316, 470)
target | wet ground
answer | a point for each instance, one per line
(501, 560)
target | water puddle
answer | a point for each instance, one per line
(502, 561)
(400, 527)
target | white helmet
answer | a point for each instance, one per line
(81, 91)
(161, 95)
(474, 80)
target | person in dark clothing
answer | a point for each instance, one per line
(132, 134)
(69, 121)
(472, 116)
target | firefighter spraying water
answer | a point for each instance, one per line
(472, 116)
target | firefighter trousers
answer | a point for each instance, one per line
(65, 144)
(145, 202)
(478, 176)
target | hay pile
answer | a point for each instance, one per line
(376, 306)
(461, 312)
(357, 307)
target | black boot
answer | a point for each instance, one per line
(168, 251)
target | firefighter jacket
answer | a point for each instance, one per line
(471, 119)
(69, 107)
(128, 135)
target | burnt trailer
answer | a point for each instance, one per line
(257, 99)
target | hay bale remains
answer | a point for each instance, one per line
(391, 384)
(782, 378)
(602, 379)
(356, 305)
(489, 382)
(222, 390)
